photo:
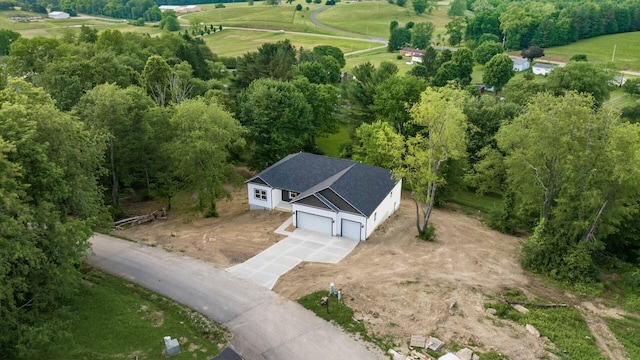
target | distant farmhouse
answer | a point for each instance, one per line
(415, 54)
(58, 15)
(618, 80)
(520, 64)
(181, 9)
(542, 69)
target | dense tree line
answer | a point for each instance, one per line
(550, 23)
(148, 10)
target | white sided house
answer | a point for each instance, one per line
(337, 197)
(542, 69)
(520, 64)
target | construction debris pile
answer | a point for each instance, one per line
(435, 344)
(141, 219)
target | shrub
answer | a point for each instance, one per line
(429, 234)
(220, 6)
(399, 57)
(298, 7)
(330, 2)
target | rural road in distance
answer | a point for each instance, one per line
(265, 326)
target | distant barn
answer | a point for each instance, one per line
(58, 15)
(181, 9)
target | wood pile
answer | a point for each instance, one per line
(141, 219)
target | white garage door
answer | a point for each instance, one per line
(351, 229)
(314, 222)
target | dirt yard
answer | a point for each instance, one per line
(398, 285)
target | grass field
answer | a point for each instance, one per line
(260, 16)
(373, 18)
(600, 50)
(56, 27)
(117, 320)
(375, 57)
(232, 42)
(626, 331)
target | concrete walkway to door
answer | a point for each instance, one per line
(300, 245)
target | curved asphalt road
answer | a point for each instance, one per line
(265, 326)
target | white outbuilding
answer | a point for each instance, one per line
(58, 15)
(542, 69)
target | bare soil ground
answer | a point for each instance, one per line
(398, 285)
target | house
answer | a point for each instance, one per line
(411, 52)
(520, 64)
(618, 80)
(415, 54)
(181, 9)
(58, 15)
(337, 197)
(542, 69)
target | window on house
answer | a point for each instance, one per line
(375, 215)
(260, 194)
(293, 194)
(391, 194)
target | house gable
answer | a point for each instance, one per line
(257, 180)
(314, 201)
(338, 201)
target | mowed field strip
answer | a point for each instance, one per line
(373, 18)
(236, 42)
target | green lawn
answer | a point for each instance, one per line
(330, 144)
(626, 331)
(342, 315)
(373, 18)
(229, 42)
(619, 99)
(600, 50)
(375, 57)
(485, 203)
(115, 319)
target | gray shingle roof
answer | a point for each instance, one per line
(363, 186)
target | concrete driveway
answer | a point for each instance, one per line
(300, 245)
(265, 326)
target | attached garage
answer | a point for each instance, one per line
(314, 222)
(351, 229)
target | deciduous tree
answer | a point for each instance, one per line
(582, 77)
(572, 167)
(439, 112)
(204, 135)
(532, 52)
(498, 71)
(421, 35)
(49, 169)
(487, 50)
(278, 119)
(378, 144)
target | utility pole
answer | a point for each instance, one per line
(613, 56)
